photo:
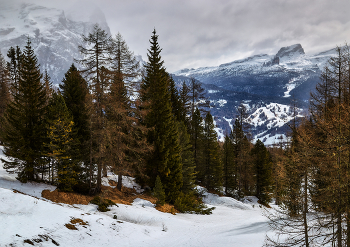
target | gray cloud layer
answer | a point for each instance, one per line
(197, 33)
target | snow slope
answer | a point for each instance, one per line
(24, 217)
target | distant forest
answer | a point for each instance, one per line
(115, 116)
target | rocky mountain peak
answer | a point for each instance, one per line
(289, 52)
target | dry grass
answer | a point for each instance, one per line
(74, 222)
(167, 208)
(126, 196)
(66, 197)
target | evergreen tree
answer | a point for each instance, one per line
(263, 167)
(15, 56)
(229, 179)
(176, 105)
(197, 136)
(75, 92)
(165, 160)
(158, 192)
(60, 144)
(48, 85)
(23, 130)
(4, 86)
(185, 104)
(212, 164)
(188, 165)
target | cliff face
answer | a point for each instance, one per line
(54, 36)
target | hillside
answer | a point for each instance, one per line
(26, 217)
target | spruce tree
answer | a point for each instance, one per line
(158, 192)
(229, 175)
(15, 56)
(263, 167)
(60, 144)
(197, 135)
(4, 86)
(188, 165)
(23, 130)
(75, 92)
(213, 169)
(165, 160)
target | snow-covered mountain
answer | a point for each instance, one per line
(55, 35)
(265, 84)
(258, 81)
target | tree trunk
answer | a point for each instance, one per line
(120, 182)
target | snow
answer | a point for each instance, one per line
(24, 217)
(272, 115)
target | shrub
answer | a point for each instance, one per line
(188, 203)
(102, 204)
(158, 192)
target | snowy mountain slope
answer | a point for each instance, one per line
(260, 82)
(55, 38)
(25, 219)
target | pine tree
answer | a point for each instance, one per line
(197, 136)
(188, 165)
(4, 86)
(165, 160)
(185, 104)
(75, 92)
(212, 164)
(229, 174)
(23, 130)
(15, 56)
(158, 192)
(263, 167)
(60, 144)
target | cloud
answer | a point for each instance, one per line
(210, 32)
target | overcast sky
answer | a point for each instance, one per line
(197, 33)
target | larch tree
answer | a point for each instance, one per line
(96, 49)
(126, 142)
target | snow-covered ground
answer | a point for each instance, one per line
(30, 217)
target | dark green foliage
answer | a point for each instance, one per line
(23, 126)
(188, 203)
(75, 92)
(176, 106)
(229, 166)
(263, 166)
(188, 165)
(60, 143)
(185, 104)
(102, 204)
(158, 192)
(197, 135)
(4, 86)
(15, 56)
(165, 160)
(212, 173)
